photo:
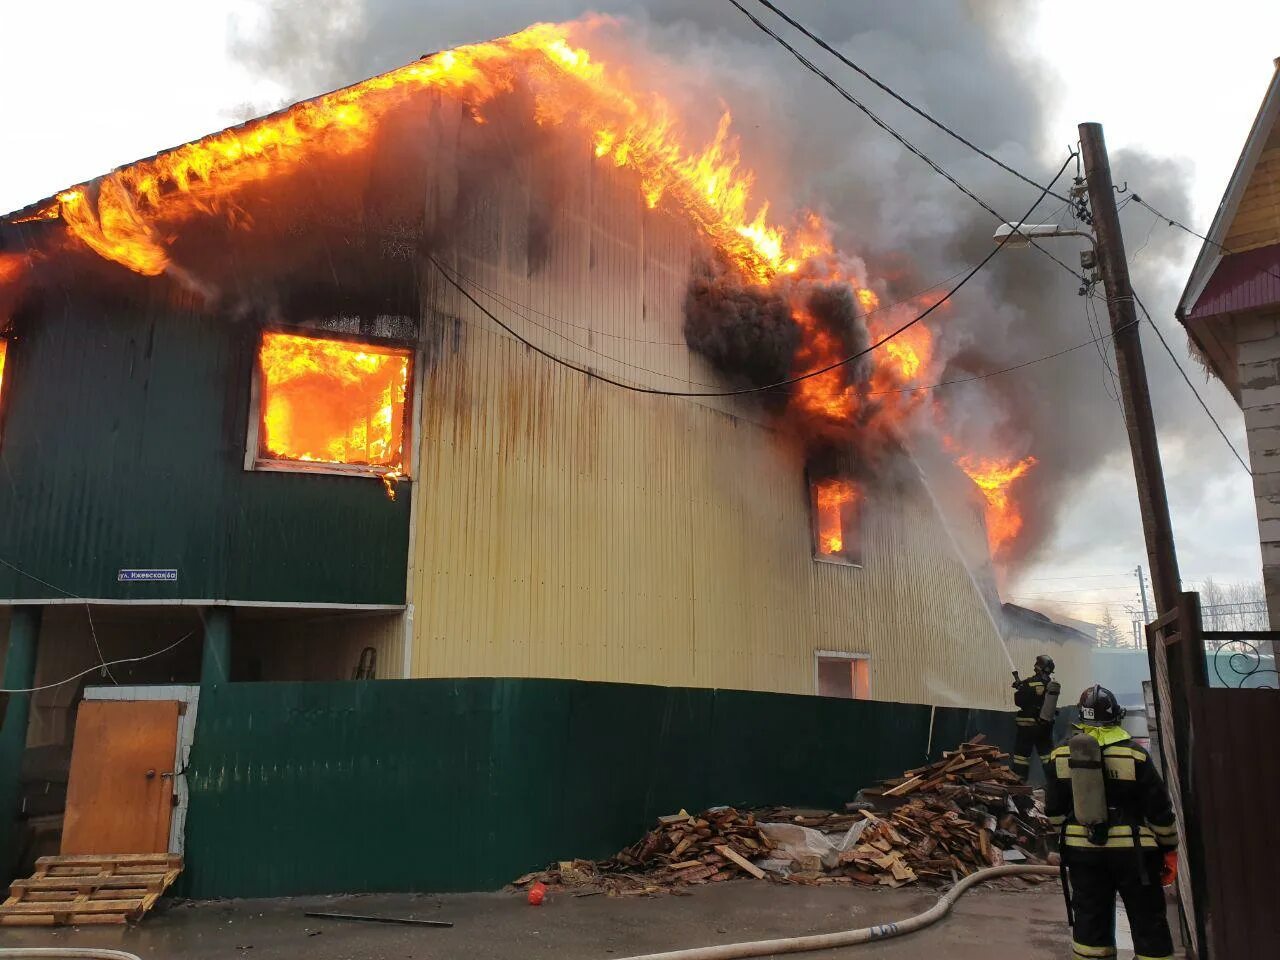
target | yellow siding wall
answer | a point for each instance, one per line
(567, 528)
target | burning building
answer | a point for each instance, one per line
(375, 386)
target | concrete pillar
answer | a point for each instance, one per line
(19, 674)
(215, 665)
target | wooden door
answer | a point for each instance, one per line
(120, 791)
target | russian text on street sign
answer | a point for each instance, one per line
(147, 576)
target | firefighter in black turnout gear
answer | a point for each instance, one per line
(1118, 833)
(1034, 731)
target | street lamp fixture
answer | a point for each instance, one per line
(1021, 236)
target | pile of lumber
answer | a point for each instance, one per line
(715, 845)
(977, 769)
(946, 820)
(933, 824)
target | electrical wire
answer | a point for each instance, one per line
(742, 391)
(1017, 366)
(1182, 226)
(1110, 383)
(93, 631)
(113, 663)
(511, 304)
(910, 147)
(903, 100)
(1204, 406)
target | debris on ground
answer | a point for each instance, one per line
(715, 845)
(934, 824)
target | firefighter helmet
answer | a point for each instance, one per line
(1044, 664)
(1099, 706)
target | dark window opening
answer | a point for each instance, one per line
(846, 676)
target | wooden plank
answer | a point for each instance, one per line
(91, 883)
(729, 854)
(100, 859)
(905, 787)
(70, 896)
(80, 906)
(53, 920)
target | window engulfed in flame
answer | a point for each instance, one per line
(332, 401)
(835, 504)
(994, 478)
(4, 350)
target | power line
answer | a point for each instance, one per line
(511, 304)
(93, 631)
(1204, 406)
(1128, 575)
(901, 99)
(912, 148)
(742, 391)
(113, 663)
(1182, 226)
(876, 393)
(996, 373)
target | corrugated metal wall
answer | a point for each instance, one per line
(567, 528)
(123, 446)
(466, 784)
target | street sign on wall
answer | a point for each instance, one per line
(147, 576)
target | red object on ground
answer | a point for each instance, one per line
(536, 893)
(1169, 872)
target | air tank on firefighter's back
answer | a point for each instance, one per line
(1049, 709)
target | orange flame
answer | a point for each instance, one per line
(827, 397)
(4, 352)
(311, 386)
(132, 216)
(123, 216)
(831, 499)
(995, 478)
(12, 267)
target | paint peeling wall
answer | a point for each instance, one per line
(567, 528)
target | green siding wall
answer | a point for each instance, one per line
(122, 446)
(440, 785)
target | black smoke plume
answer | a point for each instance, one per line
(968, 64)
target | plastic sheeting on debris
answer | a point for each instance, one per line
(807, 848)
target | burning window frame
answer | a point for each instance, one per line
(257, 458)
(850, 554)
(859, 668)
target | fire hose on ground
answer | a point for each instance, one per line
(728, 951)
(849, 938)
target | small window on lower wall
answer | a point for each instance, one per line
(835, 505)
(843, 675)
(328, 405)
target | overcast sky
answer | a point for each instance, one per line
(90, 86)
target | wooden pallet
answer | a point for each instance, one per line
(89, 889)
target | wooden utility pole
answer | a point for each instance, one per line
(1135, 396)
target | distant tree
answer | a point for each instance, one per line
(1234, 606)
(1108, 633)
